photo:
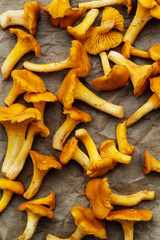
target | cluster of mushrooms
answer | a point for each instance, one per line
(23, 123)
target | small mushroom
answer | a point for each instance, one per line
(42, 164)
(72, 151)
(27, 17)
(24, 81)
(102, 198)
(103, 3)
(113, 78)
(74, 117)
(62, 14)
(138, 74)
(123, 145)
(86, 223)
(78, 60)
(9, 187)
(26, 43)
(127, 219)
(151, 164)
(72, 88)
(34, 211)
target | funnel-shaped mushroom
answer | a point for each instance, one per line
(39, 100)
(62, 14)
(123, 145)
(154, 52)
(72, 88)
(138, 74)
(35, 211)
(102, 198)
(72, 151)
(24, 81)
(74, 117)
(86, 223)
(78, 59)
(42, 164)
(103, 3)
(151, 164)
(16, 119)
(127, 219)
(113, 78)
(27, 17)
(9, 187)
(26, 43)
(146, 10)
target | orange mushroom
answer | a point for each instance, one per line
(26, 43)
(151, 164)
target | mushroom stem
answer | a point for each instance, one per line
(77, 235)
(128, 228)
(152, 103)
(13, 94)
(105, 63)
(6, 197)
(80, 157)
(133, 199)
(140, 19)
(139, 53)
(12, 17)
(32, 221)
(41, 107)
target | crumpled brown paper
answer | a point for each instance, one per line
(69, 183)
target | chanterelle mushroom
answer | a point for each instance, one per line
(35, 210)
(26, 43)
(62, 14)
(78, 59)
(103, 3)
(24, 81)
(72, 88)
(27, 17)
(127, 219)
(9, 187)
(146, 10)
(151, 164)
(42, 164)
(74, 117)
(102, 198)
(86, 223)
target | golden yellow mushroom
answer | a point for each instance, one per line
(151, 164)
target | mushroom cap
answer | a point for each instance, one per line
(150, 162)
(116, 78)
(13, 186)
(126, 49)
(98, 193)
(44, 162)
(49, 201)
(32, 9)
(148, 4)
(29, 81)
(77, 114)
(40, 128)
(155, 85)
(155, 11)
(40, 97)
(129, 215)
(36, 209)
(19, 113)
(27, 41)
(154, 51)
(105, 148)
(68, 150)
(56, 8)
(87, 222)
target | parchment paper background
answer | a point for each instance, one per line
(69, 183)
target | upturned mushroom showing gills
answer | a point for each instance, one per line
(42, 164)
(78, 59)
(26, 17)
(151, 164)
(62, 14)
(127, 219)
(138, 74)
(24, 81)
(9, 187)
(72, 88)
(102, 198)
(35, 210)
(74, 117)
(104, 3)
(87, 224)
(26, 43)
(113, 78)
(146, 10)
(16, 119)
(72, 151)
